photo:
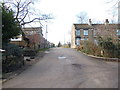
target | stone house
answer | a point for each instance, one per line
(83, 32)
(35, 36)
(32, 38)
(19, 40)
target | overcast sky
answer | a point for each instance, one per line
(65, 12)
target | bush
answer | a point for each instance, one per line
(91, 48)
(117, 50)
(110, 49)
(30, 52)
(12, 50)
(12, 58)
(80, 48)
(12, 63)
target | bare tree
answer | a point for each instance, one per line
(113, 19)
(115, 2)
(25, 12)
(113, 11)
(82, 17)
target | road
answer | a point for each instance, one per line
(67, 68)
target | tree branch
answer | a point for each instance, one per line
(24, 16)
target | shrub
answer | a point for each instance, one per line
(12, 63)
(12, 58)
(30, 52)
(117, 50)
(80, 48)
(110, 48)
(90, 48)
(12, 50)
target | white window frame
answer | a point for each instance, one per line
(85, 38)
(77, 32)
(78, 41)
(84, 32)
(118, 31)
(94, 32)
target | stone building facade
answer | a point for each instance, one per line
(90, 32)
(32, 38)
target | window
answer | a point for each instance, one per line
(118, 32)
(85, 32)
(82, 38)
(78, 41)
(85, 38)
(16, 37)
(95, 41)
(95, 31)
(77, 32)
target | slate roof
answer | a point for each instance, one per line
(83, 26)
(87, 26)
(31, 28)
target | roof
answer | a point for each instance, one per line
(83, 26)
(108, 26)
(31, 28)
(87, 26)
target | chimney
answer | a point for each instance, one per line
(90, 22)
(106, 21)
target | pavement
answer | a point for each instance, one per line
(67, 68)
(10, 75)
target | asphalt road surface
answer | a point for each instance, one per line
(67, 68)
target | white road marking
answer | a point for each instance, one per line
(46, 52)
(62, 57)
(68, 61)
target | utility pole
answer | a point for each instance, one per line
(64, 40)
(46, 33)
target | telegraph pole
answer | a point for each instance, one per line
(46, 31)
(64, 40)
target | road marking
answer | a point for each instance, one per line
(68, 61)
(61, 57)
(46, 52)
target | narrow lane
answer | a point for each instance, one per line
(67, 68)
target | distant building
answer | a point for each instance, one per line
(19, 40)
(83, 32)
(33, 38)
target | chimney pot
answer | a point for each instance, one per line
(90, 22)
(106, 21)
